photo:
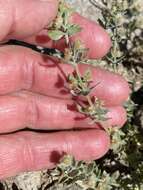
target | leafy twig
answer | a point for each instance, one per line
(75, 54)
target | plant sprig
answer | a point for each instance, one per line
(61, 27)
(75, 54)
(83, 176)
(123, 20)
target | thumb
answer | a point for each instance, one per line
(23, 18)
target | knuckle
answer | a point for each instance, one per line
(32, 111)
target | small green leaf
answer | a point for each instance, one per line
(73, 29)
(88, 75)
(55, 34)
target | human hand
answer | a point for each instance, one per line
(32, 96)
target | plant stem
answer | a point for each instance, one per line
(78, 74)
(88, 97)
(89, 100)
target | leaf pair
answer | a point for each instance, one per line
(80, 85)
(61, 27)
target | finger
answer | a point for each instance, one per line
(117, 116)
(28, 70)
(92, 35)
(42, 112)
(25, 151)
(22, 18)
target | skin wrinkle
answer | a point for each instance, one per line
(27, 154)
(43, 149)
(8, 157)
(28, 70)
(31, 111)
(63, 109)
(7, 75)
(43, 111)
(9, 109)
(67, 145)
(54, 111)
(47, 72)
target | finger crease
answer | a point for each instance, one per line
(28, 158)
(67, 146)
(32, 112)
(28, 73)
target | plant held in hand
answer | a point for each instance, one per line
(75, 54)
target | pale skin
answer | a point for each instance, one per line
(31, 96)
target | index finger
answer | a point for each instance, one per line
(92, 35)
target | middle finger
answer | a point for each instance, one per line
(25, 109)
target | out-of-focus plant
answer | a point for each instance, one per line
(71, 174)
(123, 19)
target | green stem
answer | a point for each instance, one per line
(79, 77)
(78, 73)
